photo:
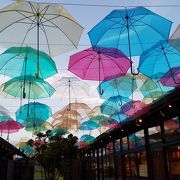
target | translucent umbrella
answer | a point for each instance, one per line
(46, 27)
(168, 80)
(159, 59)
(119, 117)
(21, 61)
(175, 38)
(130, 30)
(10, 126)
(98, 65)
(31, 88)
(87, 138)
(33, 112)
(137, 109)
(113, 104)
(95, 111)
(4, 114)
(89, 125)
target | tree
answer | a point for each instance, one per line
(55, 153)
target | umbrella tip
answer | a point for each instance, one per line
(36, 75)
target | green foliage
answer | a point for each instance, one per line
(55, 153)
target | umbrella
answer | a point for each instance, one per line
(70, 87)
(87, 138)
(98, 65)
(137, 109)
(36, 126)
(175, 38)
(172, 81)
(46, 27)
(21, 61)
(33, 88)
(159, 59)
(130, 30)
(122, 86)
(89, 125)
(154, 89)
(10, 126)
(111, 123)
(119, 117)
(4, 114)
(33, 112)
(113, 104)
(28, 150)
(94, 112)
(58, 131)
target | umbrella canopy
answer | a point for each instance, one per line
(111, 123)
(172, 81)
(154, 89)
(10, 126)
(159, 59)
(4, 114)
(135, 108)
(175, 38)
(99, 118)
(46, 27)
(89, 125)
(28, 150)
(122, 86)
(58, 131)
(70, 88)
(130, 30)
(119, 117)
(35, 127)
(32, 112)
(98, 64)
(21, 61)
(95, 112)
(87, 138)
(30, 87)
(113, 104)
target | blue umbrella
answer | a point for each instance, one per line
(119, 117)
(87, 138)
(113, 104)
(130, 30)
(89, 125)
(158, 60)
(122, 86)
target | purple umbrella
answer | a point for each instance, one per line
(100, 64)
(168, 80)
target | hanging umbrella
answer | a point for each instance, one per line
(4, 114)
(31, 88)
(81, 108)
(111, 123)
(159, 59)
(46, 27)
(10, 126)
(154, 89)
(87, 138)
(28, 150)
(137, 109)
(21, 61)
(71, 88)
(89, 125)
(98, 65)
(130, 30)
(113, 104)
(174, 40)
(66, 113)
(122, 86)
(99, 118)
(32, 112)
(171, 81)
(35, 127)
(58, 131)
(119, 117)
(94, 112)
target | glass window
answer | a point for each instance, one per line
(173, 158)
(142, 164)
(172, 128)
(154, 134)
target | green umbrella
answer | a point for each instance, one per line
(31, 88)
(22, 61)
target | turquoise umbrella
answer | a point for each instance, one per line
(89, 125)
(32, 112)
(22, 61)
(31, 88)
(87, 138)
(58, 131)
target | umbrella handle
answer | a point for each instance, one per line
(101, 91)
(133, 73)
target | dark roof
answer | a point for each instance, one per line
(9, 149)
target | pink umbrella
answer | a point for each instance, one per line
(100, 64)
(168, 80)
(135, 108)
(10, 126)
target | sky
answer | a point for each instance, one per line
(88, 14)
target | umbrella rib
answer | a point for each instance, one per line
(61, 31)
